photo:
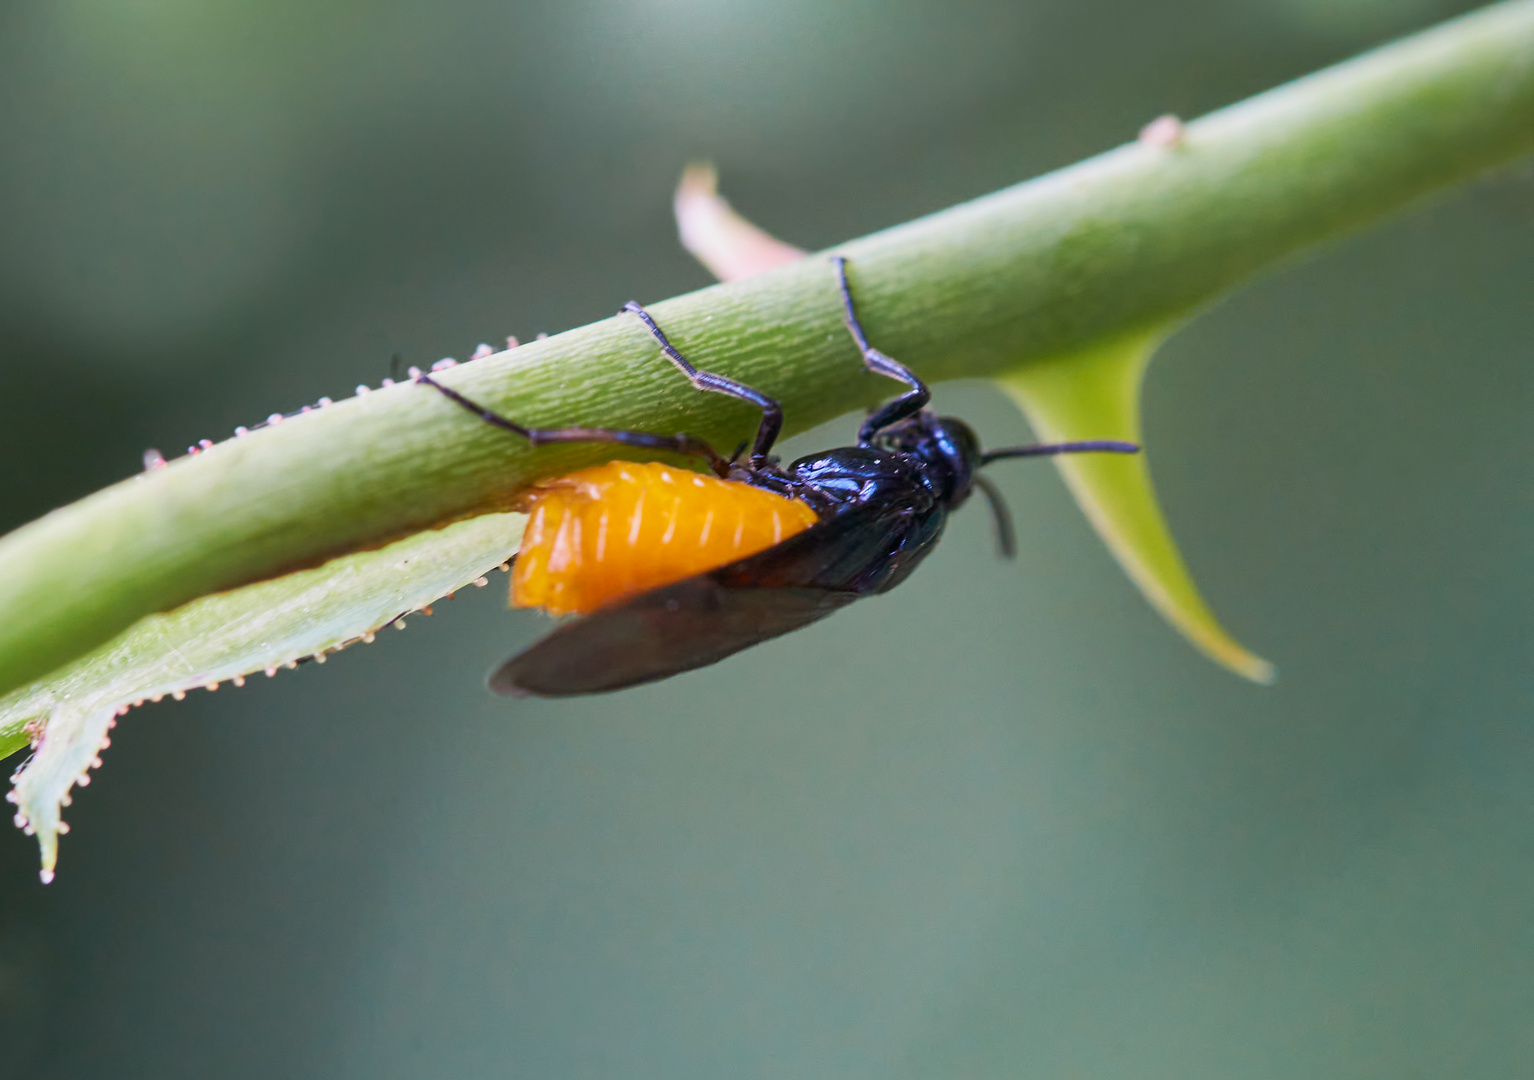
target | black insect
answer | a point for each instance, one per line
(880, 508)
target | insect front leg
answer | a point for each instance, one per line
(907, 404)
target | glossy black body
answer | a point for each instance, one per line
(882, 506)
(903, 487)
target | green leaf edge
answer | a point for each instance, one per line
(229, 635)
(1095, 394)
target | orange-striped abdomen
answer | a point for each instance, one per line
(608, 532)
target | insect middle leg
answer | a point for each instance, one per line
(680, 443)
(772, 412)
(907, 404)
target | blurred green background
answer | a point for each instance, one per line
(1000, 823)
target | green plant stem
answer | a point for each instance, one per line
(1135, 238)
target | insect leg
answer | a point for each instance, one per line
(907, 404)
(772, 412)
(679, 444)
(1094, 446)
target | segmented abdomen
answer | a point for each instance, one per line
(605, 533)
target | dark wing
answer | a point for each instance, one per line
(662, 632)
(703, 619)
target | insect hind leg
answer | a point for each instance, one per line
(680, 443)
(907, 404)
(772, 412)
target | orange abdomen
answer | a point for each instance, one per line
(605, 533)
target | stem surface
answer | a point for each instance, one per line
(1130, 240)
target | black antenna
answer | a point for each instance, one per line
(1094, 446)
(1006, 538)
